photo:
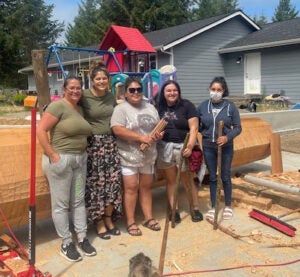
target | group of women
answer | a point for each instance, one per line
(93, 160)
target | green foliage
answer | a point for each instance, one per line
(95, 16)
(18, 99)
(260, 20)
(284, 11)
(209, 8)
(24, 25)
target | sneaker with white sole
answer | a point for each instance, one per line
(70, 252)
(87, 248)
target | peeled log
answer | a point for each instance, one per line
(271, 184)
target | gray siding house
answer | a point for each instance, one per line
(256, 61)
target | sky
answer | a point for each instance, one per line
(66, 10)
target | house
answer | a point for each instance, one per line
(256, 61)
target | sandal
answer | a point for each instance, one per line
(133, 230)
(177, 218)
(197, 216)
(105, 235)
(115, 231)
(227, 213)
(154, 226)
(210, 214)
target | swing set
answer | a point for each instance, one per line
(151, 80)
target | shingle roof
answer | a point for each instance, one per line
(163, 37)
(272, 34)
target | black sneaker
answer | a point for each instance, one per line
(197, 216)
(87, 248)
(177, 218)
(70, 252)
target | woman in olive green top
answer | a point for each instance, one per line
(103, 195)
(64, 164)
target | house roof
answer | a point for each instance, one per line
(169, 37)
(125, 38)
(271, 35)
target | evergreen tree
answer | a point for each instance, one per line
(90, 26)
(209, 8)
(24, 25)
(284, 11)
(86, 29)
(260, 20)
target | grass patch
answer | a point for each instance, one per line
(5, 109)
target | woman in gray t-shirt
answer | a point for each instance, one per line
(132, 122)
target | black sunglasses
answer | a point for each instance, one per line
(133, 90)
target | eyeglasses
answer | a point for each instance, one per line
(74, 89)
(133, 90)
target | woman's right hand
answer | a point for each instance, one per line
(146, 139)
(54, 158)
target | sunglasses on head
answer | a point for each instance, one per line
(133, 90)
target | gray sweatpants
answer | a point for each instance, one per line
(67, 187)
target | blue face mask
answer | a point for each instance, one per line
(215, 96)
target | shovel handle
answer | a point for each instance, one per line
(288, 213)
(219, 182)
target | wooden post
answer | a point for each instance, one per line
(276, 158)
(41, 78)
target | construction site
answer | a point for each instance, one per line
(266, 182)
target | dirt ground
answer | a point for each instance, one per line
(193, 249)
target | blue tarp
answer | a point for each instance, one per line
(296, 106)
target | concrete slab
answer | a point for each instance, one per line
(191, 247)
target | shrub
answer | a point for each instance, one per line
(18, 99)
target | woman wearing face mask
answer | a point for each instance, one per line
(211, 112)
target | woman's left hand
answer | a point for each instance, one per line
(222, 140)
(187, 152)
(158, 136)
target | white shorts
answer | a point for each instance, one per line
(131, 170)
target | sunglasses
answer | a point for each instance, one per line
(133, 90)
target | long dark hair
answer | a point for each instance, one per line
(162, 103)
(221, 80)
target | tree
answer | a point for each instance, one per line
(142, 14)
(86, 29)
(284, 11)
(209, 8)
(260, 20)
(24, 25)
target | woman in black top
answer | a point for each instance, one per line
(182, 118)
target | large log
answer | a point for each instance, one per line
(252, 145)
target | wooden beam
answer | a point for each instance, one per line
(276, 158)
(41, 78)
